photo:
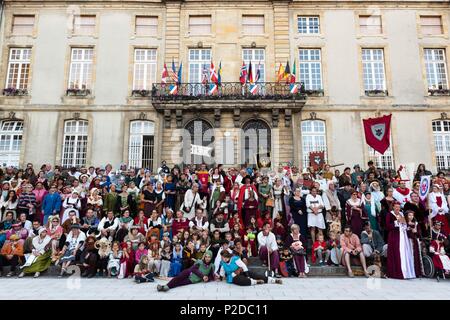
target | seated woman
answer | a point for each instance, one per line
(234, 270)
(89, 258)
(56, 232)
(141, 271)
(127, 260)
(11, 254)
(73, 248)
(40, 258)
(114, 260)
(125, 223)
(294, 242)
(441, 260)
(6, 225)
(135, 237)
(188, 255)
(166, 256)
(154, 225)
(202, 270)
(154, 258)
(177, 259)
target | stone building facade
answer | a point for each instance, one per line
(79, 80)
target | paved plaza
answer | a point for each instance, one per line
(298, 289)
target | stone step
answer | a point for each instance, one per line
(317, 271)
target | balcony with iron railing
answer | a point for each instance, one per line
(265, 91)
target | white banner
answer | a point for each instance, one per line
(201, 150)
(424, 187)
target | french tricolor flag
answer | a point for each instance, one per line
(173, 89)
(254, 88)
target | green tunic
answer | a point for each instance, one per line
(204, 269)
(263, 189)
(110, 203)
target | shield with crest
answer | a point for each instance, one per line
(378, 130)
(317, 159)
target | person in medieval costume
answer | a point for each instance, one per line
(330, 200)
(371, 210)
(244, 194)
(355, 213)
(192, 200)
(420, 212)
(439, 208)
(402, 193)
(400, 258)
(203, 178)
(250, 208)
(441, 260)
(217, 193)
(278, 190)
(264, 194)
(413, 235)
(201, 270)
(287, 191)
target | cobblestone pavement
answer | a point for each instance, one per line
(299, 289)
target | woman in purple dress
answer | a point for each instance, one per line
(355, 213)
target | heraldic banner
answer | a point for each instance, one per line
(378, 132)
(317, 159)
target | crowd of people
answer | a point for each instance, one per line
(195, 223)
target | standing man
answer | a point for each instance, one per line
(51, 204)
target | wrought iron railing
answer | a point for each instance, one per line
(228, 91)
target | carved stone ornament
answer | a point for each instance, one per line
(167, 118)
(142, 116)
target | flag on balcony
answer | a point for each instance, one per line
(165, 75)
(287, 71)
(254, 88)
(258, 73)
(243, 74)
(250, 73)
(280, 74)
(378, 132)
(212, 88)
(212, 73)
(204, 76)
(173, 72)
(179, 73)
(293, 77)
(219, 74)
(173, 89)
(293, 88)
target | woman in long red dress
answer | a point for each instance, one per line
(400, 260)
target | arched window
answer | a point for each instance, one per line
(256, 139)
(314, 138)
(142, 142)
(198, 133)
(75, 143)
(441, 132)
(10, 142)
